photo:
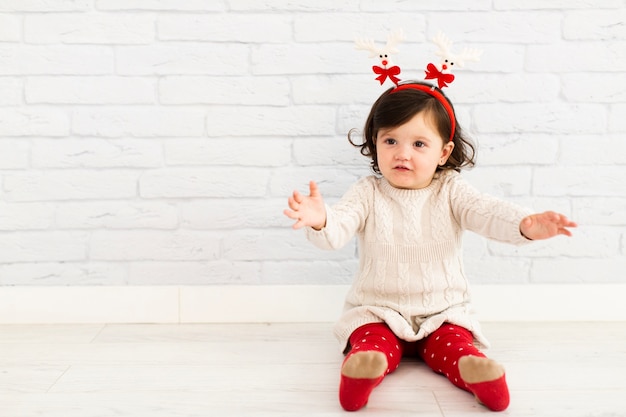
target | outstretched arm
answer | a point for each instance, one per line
(545, 225)
(307, 210)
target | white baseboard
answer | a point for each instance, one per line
(298, 303)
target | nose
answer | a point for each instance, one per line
(384, 62)
(444, 67)
(402, 153)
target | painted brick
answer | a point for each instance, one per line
(204, 182)
(151, 245)
(541, 118)
(194, 273)
(89, 29)
(43, 246)
(252, 28)
(10, 28)
(348, 26)
(69, 185)
(90, 90)
(183, 58)
(34, 122)
(64, 273)
(576, 57)
(14, 154)
(55, 60)
(115, 122)
(595, 24)
(270, 121)
(261, 152)
(45, 6)
(519, 27)
(583, 181)
(155, 142)
(96, 153)
(116, 215)
(224, 214)
(163, 5)
(26, 216)
(11, 88)
(282, 244)
(273, 91)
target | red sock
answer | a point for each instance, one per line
(442, 350)
(377, 337)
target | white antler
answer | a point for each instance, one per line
(468, 54)
(393, 40)
(367, 45)
(443, 43)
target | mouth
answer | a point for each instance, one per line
(401, 168)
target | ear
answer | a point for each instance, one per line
(446, 151)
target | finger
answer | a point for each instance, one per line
(298, 225)
(297, 197)
(314, 191)
(292, 203)
(290, 214)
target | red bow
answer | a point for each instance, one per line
(442, 79)
(387, 72)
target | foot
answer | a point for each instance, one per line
(371, 364)
(485, 378)
(360, 374)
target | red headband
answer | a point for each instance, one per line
(433, 91)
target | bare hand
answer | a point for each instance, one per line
(545, 225)
(307, 210)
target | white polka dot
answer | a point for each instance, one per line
(438, 337)
(454, 363)
(458, 335)
(384, 338)
(378, 347)
(367, 333)
(448, 344)
(445, 358)
(460, 349)
(363, 341)
(391, 355)
(456, 380)
(451, 328)
(424, 350)
(397, 347)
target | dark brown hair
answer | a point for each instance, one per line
(394, 108)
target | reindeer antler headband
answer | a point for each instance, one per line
(441, 73)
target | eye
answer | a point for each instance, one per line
(390, 141)
(385, 55)
(451, 63)
(380, 56)
(446, 60)
(419, 144)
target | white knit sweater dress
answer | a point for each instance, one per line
(410, 272)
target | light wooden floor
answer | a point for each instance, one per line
(554, 369)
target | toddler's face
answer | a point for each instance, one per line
(408, 155)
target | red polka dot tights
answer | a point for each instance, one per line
(441, 351)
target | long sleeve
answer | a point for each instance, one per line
(345, 218)
(486, 215)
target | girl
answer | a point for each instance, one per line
(410, 295)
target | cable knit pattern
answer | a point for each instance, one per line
(411, 270)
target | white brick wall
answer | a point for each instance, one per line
(149, 142)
